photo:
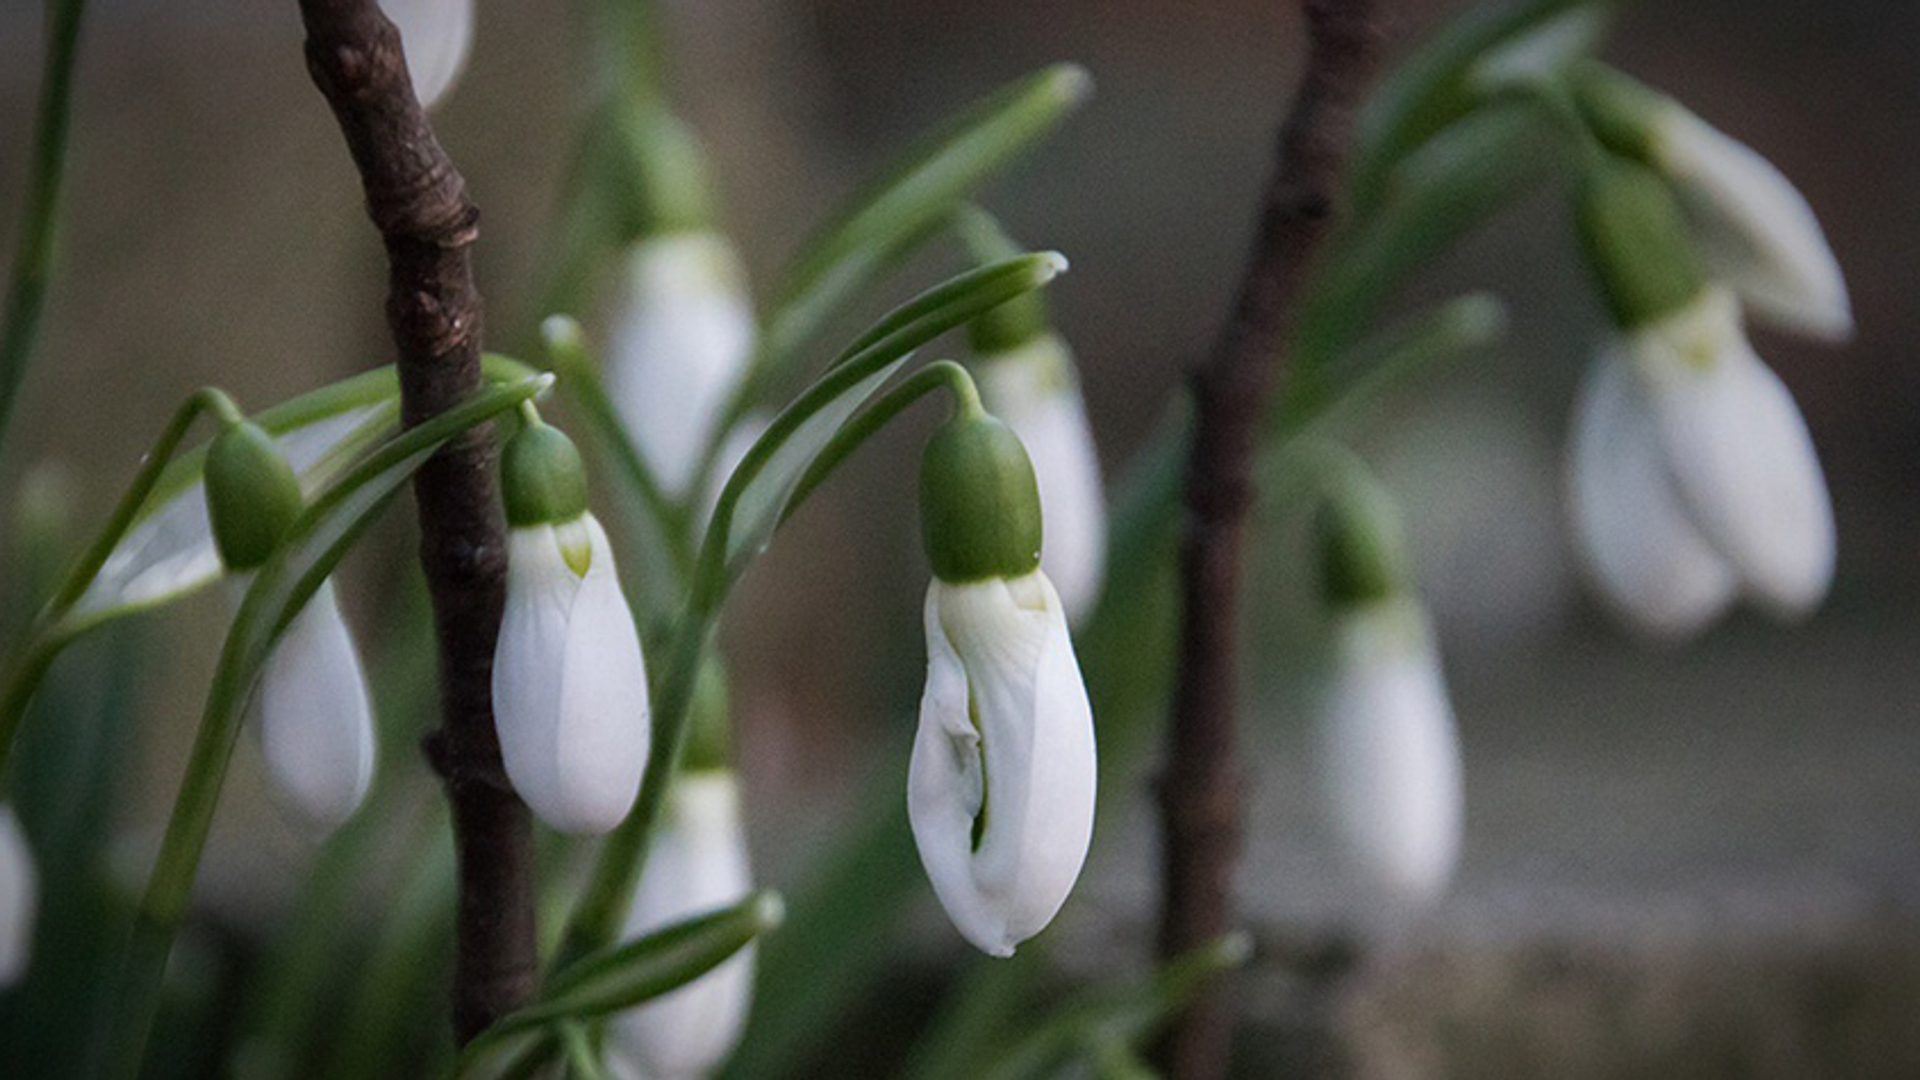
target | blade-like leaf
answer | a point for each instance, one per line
(1430, 89)
(756, 498)
(1116, 1017)
(889, 219)
(621, 977)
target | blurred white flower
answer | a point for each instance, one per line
(569, 684)
(1757, 232)
(1693, 477)
(316, 722)
(678, 347)
(1034, 389)
(19, 896)
(1388, 755)
(1000, 790)
(697, 864)
(437, 36)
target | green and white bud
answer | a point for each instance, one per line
(569, 683)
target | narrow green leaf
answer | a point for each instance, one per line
(756, 499)
(1453, 184)
(888, 220)
(1122, 1017)
(623, 976)
(1429, 90)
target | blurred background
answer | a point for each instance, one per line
(1697, 861)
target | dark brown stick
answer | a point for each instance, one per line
(419, 202)
(1201, 789)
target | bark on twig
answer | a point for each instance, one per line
(419, 203)
(1201, 789)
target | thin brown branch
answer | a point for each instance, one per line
(1201, 789)
(418, 200)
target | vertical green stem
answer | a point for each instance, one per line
(33, 262)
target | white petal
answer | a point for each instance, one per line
(569, 684)
(1005, 731)
(1389, 756)
(1740, 455)
(1759, 233)
(678, 347)
(19, 899)
(437, 36)
(1034, 389)
(316, 723)
(1648, 560)
(697, 864)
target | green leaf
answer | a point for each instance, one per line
(891, 218)
(621, 977)
(1121, 1017)
(757, 496)
(1431, 89)
(1453, 184)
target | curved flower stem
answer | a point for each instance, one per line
(33, 264)
(48, 636)
(1200, 791)
(939, 374)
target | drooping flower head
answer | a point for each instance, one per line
(1000, 790)
(569, 684)
(1693, 477)
(316, 720)
(1387, 753)
(19, 893)
(697, 864)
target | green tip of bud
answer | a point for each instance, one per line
(542, 478)
(979, 504)
(1622, 111)
(1637, 243)
(1070, 83)
(1015, 322)
(253, 498)
(1362, 552)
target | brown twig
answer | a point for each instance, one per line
(1201, 789)
(419, 203)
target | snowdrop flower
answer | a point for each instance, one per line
(1692, 474)
(1033, 387)
(1387, 756)
(437, 36)
(678, 347)
(1000, 790)
(569, 684)
(1694, 479)
(19, 893)
(697, 864)
(1757, 232)
(316, 721)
